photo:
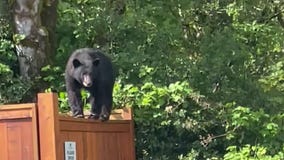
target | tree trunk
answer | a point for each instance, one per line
(49, 19)
(33, 51)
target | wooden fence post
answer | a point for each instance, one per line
(48, 126)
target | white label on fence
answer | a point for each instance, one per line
(70, 150)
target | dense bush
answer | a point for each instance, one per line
(205, 78)
(176, 119)
(12, 87)
(188, 70)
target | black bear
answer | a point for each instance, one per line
(91, 70)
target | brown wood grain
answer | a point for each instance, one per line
(16, 132)
(99, 140)
(26, 140)
(16, 111)
(3, 141)
(48, 126)
(36, 131)
(14, 141)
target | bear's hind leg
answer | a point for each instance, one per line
(106, 106)
(106, 102)
(105, 113)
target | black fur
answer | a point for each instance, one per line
(99, 67)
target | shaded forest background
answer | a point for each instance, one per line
(205, 78)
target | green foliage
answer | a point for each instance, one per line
(265, 129)
(164, 109)
(54, 76)
(176, 119)
(205, 78)
(7, 55)
(251, 153)
(12, 87)
(275, 78)
(63, 101)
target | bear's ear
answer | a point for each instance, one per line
(76, 63)
(96, 62)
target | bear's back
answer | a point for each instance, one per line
(88, 54)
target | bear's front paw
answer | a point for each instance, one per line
(104, 117)
(93, 116)
(78, 116)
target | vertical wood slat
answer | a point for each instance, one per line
(78, 138)
(3, 142)
(35, 133)
(63, 137)
(14, 141)
(27, 139)
(18, 132)
(48, 126)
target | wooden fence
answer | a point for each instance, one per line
(37, 131)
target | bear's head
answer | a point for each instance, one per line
(85, 72)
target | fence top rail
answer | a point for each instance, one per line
(117, 115)
(16, 106)
(85, 120)
(50, 102)
(17, 111)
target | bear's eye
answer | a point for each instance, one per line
(96, 62)
(76, 63)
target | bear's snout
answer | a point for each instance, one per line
(87, 81)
